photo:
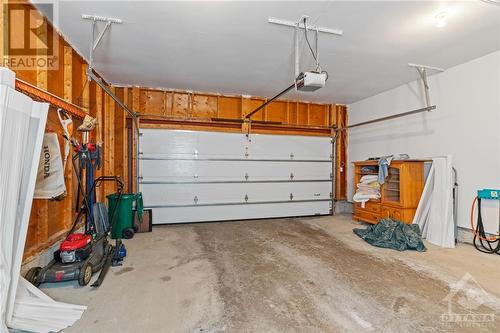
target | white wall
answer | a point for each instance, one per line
(466, 125)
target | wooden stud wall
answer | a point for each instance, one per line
(339, 115)
(3, 56)
(120, 138)
(50, 220)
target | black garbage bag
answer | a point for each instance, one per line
(393, 234)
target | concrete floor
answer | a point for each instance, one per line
(286, 275)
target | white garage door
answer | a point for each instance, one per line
(193, 176)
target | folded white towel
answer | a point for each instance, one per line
(368, 179)
(363, 197)
(375, 186)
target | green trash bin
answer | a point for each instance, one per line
(121, 214)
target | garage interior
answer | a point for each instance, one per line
(253, 166)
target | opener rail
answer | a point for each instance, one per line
(248, 116)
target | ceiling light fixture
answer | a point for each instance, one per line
(441, 19)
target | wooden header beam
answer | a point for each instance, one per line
(44, 96)
(235, 125)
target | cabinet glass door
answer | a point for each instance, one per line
(391, 188)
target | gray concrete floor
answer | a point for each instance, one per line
(287, 275)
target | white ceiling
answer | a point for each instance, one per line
(229, 47)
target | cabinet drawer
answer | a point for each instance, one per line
(372, 207)
(403, 215)
(366, 216)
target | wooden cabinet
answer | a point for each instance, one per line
(400, 192)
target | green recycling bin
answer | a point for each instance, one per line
(121, 214)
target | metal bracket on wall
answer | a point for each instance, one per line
(94, 42)
(91, 76)
(422, 71)
(248, 122)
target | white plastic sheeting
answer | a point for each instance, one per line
(434, 214)
(22, 124)
(34, 311)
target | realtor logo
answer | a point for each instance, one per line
(470, 297)
(29, 41)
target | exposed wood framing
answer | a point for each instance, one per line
(99, 130)
(186, 105)
(3, 56)
(135, 106)
(40, 209)
(63, 87)
(42, 206)
(69, 204)
(85, 98)
(341, 152)
(119, 136)
(42, 95)
(109, 141)
(68, 69)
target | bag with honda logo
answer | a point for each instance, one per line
(50, 177)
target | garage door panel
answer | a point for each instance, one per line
(190, 176)
(174, 170)
(290, 147)
(190, 144)
(249, 211)
(200, 145)
(185, 194)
